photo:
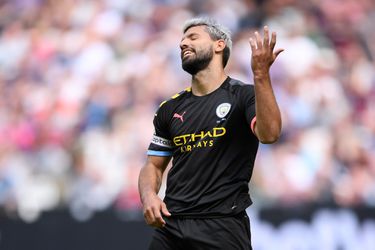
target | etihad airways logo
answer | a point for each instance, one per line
(188, 142)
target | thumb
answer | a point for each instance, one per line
(277, 52)
(164, 210)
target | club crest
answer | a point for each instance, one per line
(223, 109)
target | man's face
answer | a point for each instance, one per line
(196, 49)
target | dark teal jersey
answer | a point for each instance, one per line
(213, 148)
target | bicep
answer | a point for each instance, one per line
(160, 163)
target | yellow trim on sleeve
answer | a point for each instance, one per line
(175, 96)
(188, 89)
(161, 104)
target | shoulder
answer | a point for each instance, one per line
(174, 100)
(239, 87)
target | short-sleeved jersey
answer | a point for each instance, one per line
(213, 149)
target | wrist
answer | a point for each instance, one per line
(147, 195)
(261, 77)
(261, 74)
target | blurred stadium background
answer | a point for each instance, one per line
(80, 81)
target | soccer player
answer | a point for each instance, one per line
(212, 132)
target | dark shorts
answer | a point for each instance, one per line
(225, 233)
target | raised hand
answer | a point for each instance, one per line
(263, 54)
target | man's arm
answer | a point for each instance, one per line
(149, 182)
(268, 118)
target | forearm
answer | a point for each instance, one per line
(149, 182)
(150, 179)
(268, 117)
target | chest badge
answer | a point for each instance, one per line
(223, 109)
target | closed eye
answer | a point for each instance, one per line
(194, 37)
(191, 36)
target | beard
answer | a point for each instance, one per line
(197, 62)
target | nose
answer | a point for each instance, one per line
(183, 44)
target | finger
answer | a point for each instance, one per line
(149, 216)
(164, 210)
(266, 38)
(258, 39)
(252, 44)
(159, 221)
(273, 41)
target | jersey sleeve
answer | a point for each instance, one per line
(248, 102)
(161, 143)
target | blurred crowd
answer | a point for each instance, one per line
(80, 81)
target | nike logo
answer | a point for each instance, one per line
(178, 116)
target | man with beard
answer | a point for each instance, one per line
(212, 132)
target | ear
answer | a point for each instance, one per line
(219, 45)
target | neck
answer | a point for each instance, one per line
(207, 81)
